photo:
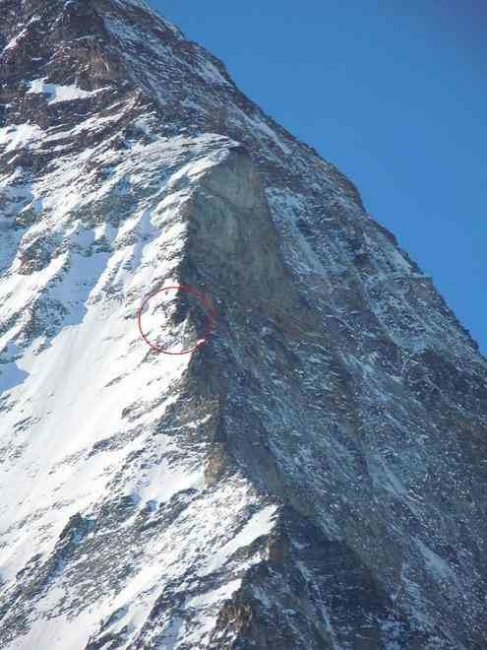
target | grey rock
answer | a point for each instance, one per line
(314, 476)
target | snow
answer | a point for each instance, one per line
(17, 290)
(210, 72)
(12, 44)
(57, 93)
(93, 378)
(215, 595)
(271, 133)
(179, 547)
(56, 633)
(62, 400)
(92, 419)
(260, 524)
(206, 607)
(19, 136)
(135, 3)
(163, 481)
(63, 384)
(435, 563)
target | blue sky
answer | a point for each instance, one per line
(394, 93)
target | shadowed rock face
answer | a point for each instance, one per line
(313, 477)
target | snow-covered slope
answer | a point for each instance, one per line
(89, 430)
(314, 476)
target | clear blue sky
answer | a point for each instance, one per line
(395, 94)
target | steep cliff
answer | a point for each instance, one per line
(312, 477)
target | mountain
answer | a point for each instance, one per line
(312, 474)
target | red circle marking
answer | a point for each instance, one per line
(203, 299)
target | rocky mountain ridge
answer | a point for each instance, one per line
(315, 476)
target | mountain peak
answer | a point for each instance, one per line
(279, 482)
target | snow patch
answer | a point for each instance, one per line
(260, 524)
(20, 135)
(57, 93)
(435, 562)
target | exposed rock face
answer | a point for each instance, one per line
(312, 478)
